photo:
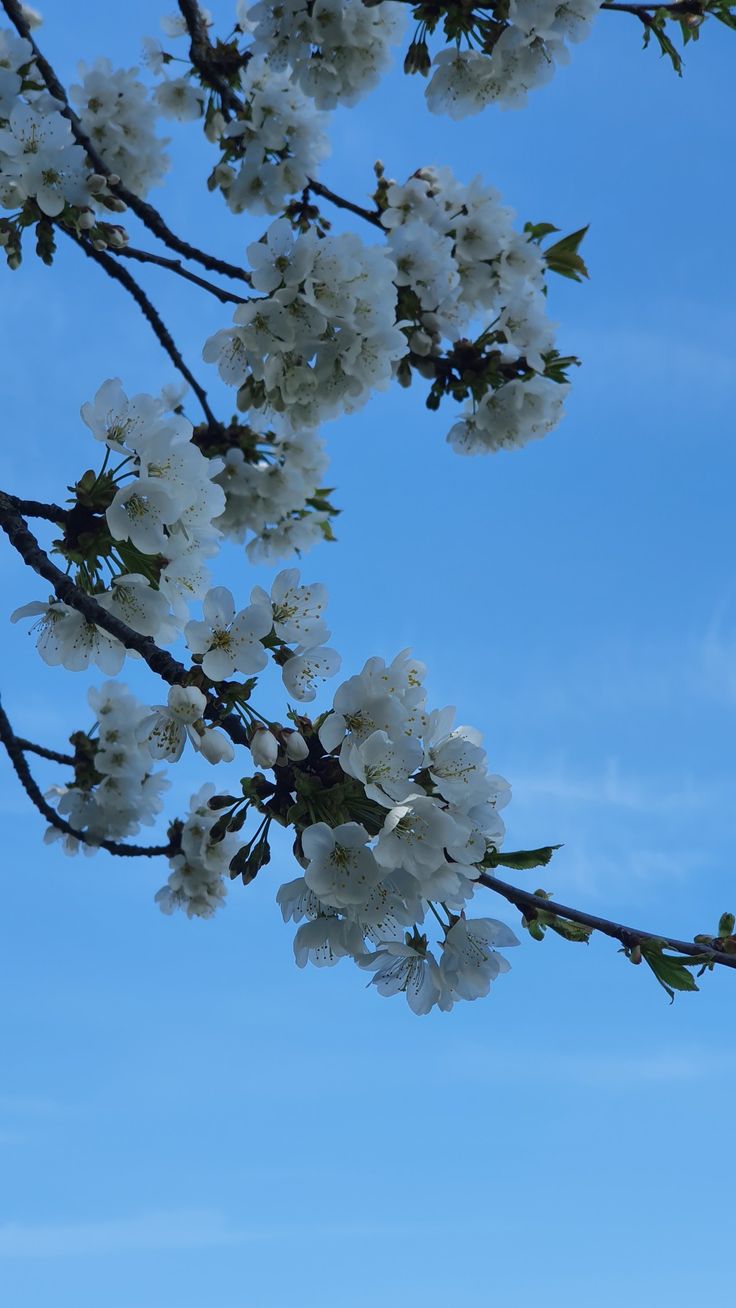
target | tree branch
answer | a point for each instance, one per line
(680, 9)
(14, 748)
(530, 905)
(372, 216)
(151, 315)
(29, 747)
(201, 52)
(158, 660)
(146, 256)
(149, 216)
(16, 529)
(50, 512)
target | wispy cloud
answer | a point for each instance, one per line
(618, 1071)
(155, 1232)
(186, 1229)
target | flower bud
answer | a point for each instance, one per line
(86, 221)
(32, 16)
(420, 343)
(215, 746)
(297, 748)
(96, 183)
(264, 747)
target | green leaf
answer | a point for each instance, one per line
(522, 859)
(574, 931)
(723, 12)
(564, 259)
(656, 28)
(538, 231)
(671, 970)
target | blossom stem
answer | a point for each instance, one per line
(439, 919)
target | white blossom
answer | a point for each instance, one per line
(228, 641)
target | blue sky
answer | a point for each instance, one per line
(184, 1116)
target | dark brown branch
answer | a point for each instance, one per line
(174, 265)
(530, 905)
(50, 512)
(16, 529)
(30, 747)
(151, 315)
(149, 216)
(158, 660)
(681, 9)
(14, 748)
(372, 216)
(201, 53)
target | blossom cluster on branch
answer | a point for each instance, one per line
(395, 817)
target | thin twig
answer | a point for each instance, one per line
(530, 905)
(148, 215)
(372, 216)
(151, 315)
(15, 751)
(30, 747)
(174, 265)
(680, 9)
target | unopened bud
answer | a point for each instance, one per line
(113, 179)
(86, 221)
(420, 343)
(297, 748)
(264, 747)
(96, 183)
(215, 746)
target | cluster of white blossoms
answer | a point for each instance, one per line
(159, 532)
(456, 248)
(228, 642)
(323, 336)
(197, 882)
(118, 114)
(267, 498)
(431, 811)
(274, 146)
(335, 50)
(465, 81)
(39, 158)
(517, 412)
(457, 251)
(122, 790)
(165, 504)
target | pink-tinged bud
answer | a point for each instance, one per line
(297, 748)
(264, 747)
